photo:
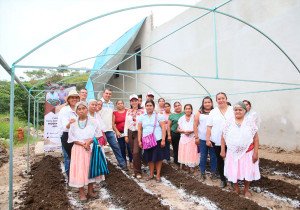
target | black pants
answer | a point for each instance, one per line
(67, 146)
(220, 161)
(175, 143)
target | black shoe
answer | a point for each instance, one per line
(124, 168)
(223, 184)
(203, 177)
(214, 177)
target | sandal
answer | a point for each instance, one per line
(94, 195)
(158, 180)
(248, 194)
(149, 178)
(83, 199)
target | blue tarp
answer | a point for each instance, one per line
(122, 44)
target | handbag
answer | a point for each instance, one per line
(98, 164)
(102, 141)
(149, 141)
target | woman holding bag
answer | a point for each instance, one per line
(151, 137)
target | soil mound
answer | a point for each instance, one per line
(278, 187)
(128, 194)
(291, 170)
(3, 155)
(223, 199)
(46, 189)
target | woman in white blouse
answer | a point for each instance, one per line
(241, 159)
(131, 134)
(66, 116)
(81, 133)
(215, 124)
(188, 150)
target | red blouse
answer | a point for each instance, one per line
(120, 120)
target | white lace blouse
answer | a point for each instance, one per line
(239, 137)
(91, 130)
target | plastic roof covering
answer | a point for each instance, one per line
(107, 60)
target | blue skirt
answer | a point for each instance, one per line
(154, 154)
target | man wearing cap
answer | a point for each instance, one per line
(66, 116)
(149, 96)
(107, 116)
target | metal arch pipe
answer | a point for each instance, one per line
(262, 33)
(164, 61)
(178, 29)
(165, 74)
(138, 82)
(107, 14)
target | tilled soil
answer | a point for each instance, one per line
(278, 187)
(3, 155)
(288, 169)
(223, 199)
(46, 189)
(128, 194)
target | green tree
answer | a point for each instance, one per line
(35, 75)
(62, 69)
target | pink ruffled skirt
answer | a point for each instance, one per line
(188, 151)
(242, 169)
(79, 167)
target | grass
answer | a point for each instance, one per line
(4, 131)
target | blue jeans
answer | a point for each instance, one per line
(167, 149)
(66, 161)
(123, 146)
(113, 143)
(204, 150)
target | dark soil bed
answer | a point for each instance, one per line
(3, 155)
(289, 169)
(278, 187)
(46, 189)
(128, 194)
(223, 199)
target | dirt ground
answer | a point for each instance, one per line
(128, 194)
(3, 155)
(178, 190)
(278, 154)
(46, 188)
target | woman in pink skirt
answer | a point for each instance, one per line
(82, 132)
(241, 159)
(188, 152)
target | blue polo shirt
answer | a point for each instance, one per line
(148, 124)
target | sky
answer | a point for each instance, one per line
(26, 24)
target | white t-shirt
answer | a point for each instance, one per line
(202, 127)
(106, 114)
(217, 120)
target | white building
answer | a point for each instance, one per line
(222, 54)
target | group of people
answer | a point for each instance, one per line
(56, 97)
(145, 132)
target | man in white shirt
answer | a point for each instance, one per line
(83, 94)
(106, 114)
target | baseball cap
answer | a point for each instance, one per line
(133, 96)
(150, 93)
